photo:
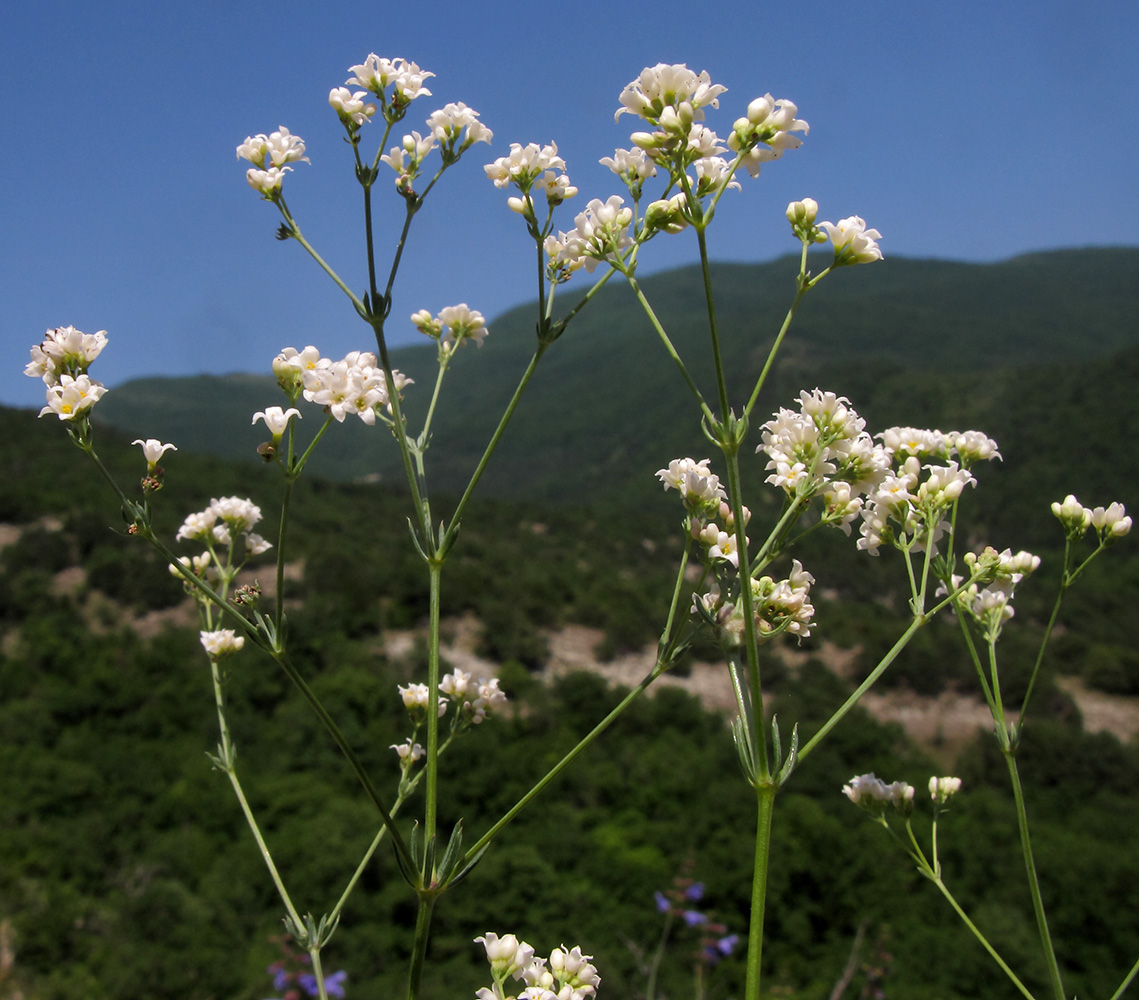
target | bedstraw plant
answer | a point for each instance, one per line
(898, 490)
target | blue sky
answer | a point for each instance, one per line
(974, 130)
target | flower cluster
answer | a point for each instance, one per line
(376, 75)
(874, 795)
(634, 167)
(61, 361)
(222, 643)
(474, 700)
(1110, 522)
(529, 168)
(940, 789)
(600, 233)
(906, 508)
(353, 385)
(823, 447)
(566, 975)
(454, 326)
(454, 129)
(224, 520)
(271, 155)
(765, 132)
(710, 519)
(990, 605)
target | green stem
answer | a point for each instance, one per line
(1045, 638)
(350, 754)
(435, 572)
(1126, 981)
(865, 686)
(668, 346)
(453, 527)
(713, 327)
(226, 760)
(766, 807)
(981, 937)
(318, 973)
(568, 759)
(747, 600)
(422, 932)
(1033, 882)
(800, 292)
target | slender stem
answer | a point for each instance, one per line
(453, 527)
(435, 571)
(1044, 639)
(281, 532)
(865, 686)
(346, 749)
(568, 759)
(981, 937)
(766, 806)
(226, 760)
(713, 327)
(296, 234)
(800, 292)
(422, 933)
(1126, 981)
(668, 345)
(318, 973)
(1033, 882)
(747, 601)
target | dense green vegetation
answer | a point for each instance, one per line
(126, 870)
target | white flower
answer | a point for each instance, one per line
(1111, 521)
(64, 350)
(461, 323)
(71, 398)
(408, 751)
(941, 788)
(223, 642)
(236, 512)
(674, 87)
(633, 166)
(273, 150)
(154, 449)
(276, 419)
(507, 955)
(268, 182)
(351, 107)
(376, 74)
(457, 128)
(873, 794)
(1073, 515)
(853, 242)
(764, 134)
(198, 526)
(416, 698)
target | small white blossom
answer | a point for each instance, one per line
(674, 88)
(221, 643)
(276, 419)
(350, 106)
(853, 242)
(64, 351)
(71, 398)
(941, 789)
(153, 450)
(765, 133)
(408, 752)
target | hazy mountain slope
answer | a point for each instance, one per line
(915, 341)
